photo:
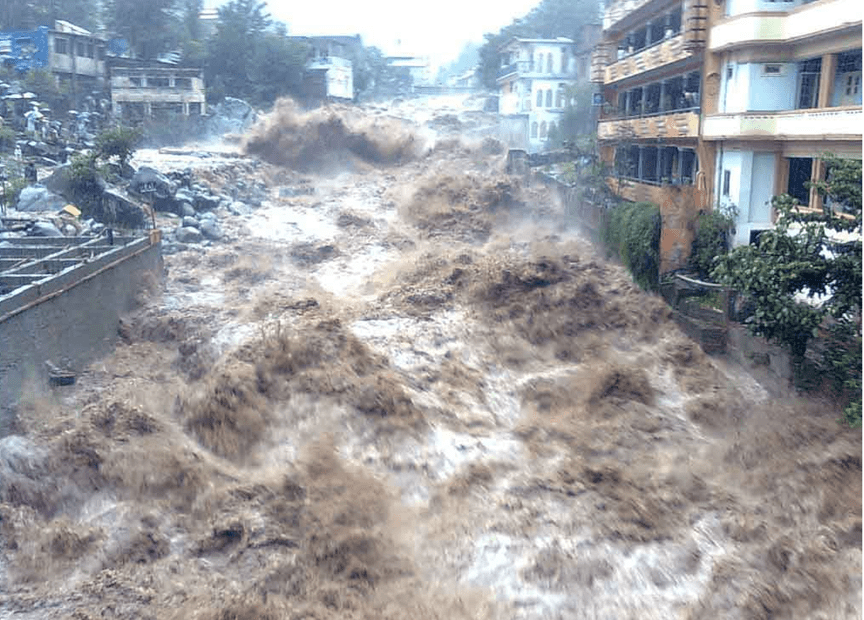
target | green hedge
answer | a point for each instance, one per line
(632, 233)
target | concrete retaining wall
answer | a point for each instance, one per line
(72, 318)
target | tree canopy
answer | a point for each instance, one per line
(805, 274)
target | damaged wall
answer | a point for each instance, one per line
(71, 319)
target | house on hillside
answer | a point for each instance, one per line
(535, 79)
(142, 89)
(329, 73)
(75, 56)
(710, 104)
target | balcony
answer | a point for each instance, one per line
(803, 22)
(526, 68)
(684, 124)
(818, 124)
(620, 9)
(326, 62)
(665, 53)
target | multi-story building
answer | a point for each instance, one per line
(76, 57)
(650, 65)
(147, 89)
(535, 82)
(785, 85)
(725, 103)
(329, 73)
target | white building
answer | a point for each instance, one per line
(535, 82)
(788, 83)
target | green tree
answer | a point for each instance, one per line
(234, 45)
(119, 142)
(151, 27)
(277, 67)
(84, 13)
(808, 255)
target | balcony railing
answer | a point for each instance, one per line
(528, 68)
(679, 124)
(658, 55)
(817, 124)
(803, 22)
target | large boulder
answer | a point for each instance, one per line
(230, 116)
(39, 198)
(118, 209)
(156, 189)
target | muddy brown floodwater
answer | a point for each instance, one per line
(417, 392)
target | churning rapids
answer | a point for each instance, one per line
(405, 387)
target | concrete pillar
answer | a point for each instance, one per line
(826, 80)
(817, 173)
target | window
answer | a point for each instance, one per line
(543, 130)
(539, 98)
(808, 83)
(548, 63)
(100, 53)
(649, 164)
(135, 82)
(689, 166)
(772, 70)
(727, 179)
(186, 83)
(539, 63)
(553, 129)
(91, 51)
(800, 169)
(61, 46)
(534, 129)
(195, 109)
(561, 97)
(549, 98)
(730, 71)
(80, 49)
(157, 82)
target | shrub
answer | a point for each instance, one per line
(633, 234)
(711, 240)
(119, 142)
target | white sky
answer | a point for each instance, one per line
(435, 28)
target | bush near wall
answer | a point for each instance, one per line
(633, 235)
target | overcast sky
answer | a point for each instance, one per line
(436, 28)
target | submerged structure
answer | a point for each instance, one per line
(61, 299)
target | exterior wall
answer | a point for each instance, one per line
(71, 324)
(513, 131)
(784, 25)
(74, 61)
(676, 205)
(737, 7)
(751, 187)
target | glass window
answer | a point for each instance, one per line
(61, 46)
(539, 98)
(808, 83)
(543, 130)
(534, 129)
(549, 98)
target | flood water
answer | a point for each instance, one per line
(417, 392)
